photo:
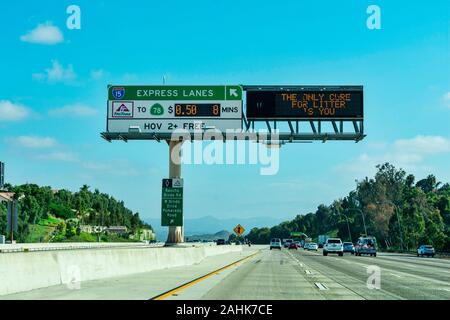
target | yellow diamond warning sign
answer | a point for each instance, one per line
(239, 230)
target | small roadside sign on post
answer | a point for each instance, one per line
(12, 216)
(239, 230)
(2, 175)
(172, 203)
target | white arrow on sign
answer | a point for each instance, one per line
(233, 92)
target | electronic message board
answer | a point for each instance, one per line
(306, 103)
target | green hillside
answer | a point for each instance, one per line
(56, 215)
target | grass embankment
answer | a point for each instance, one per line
(43, 230)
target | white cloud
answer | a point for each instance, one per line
(12, 112)
(423, 145)
(97, 74)
(116, 168)
(73, 110)
(59, 156)
(447, 99)
(45, 33)
(409, 154)
(129, 77)
(57, 73)
(34, 142)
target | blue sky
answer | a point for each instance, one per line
(53, 93)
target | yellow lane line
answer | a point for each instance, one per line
(191, 283)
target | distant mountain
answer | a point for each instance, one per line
(211, 225)
(210, 237)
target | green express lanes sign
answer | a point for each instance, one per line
(183, 93)
(172, 202)
(164, 109)
(306, 104)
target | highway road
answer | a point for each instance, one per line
(260, 273)
(303, 275)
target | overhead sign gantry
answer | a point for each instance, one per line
(273, 115)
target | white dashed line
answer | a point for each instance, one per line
(321, 286)
(395, 275)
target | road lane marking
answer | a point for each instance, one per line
(395, 275)
(308, 272)
(191, 283)
(404, 274)
(321, 286)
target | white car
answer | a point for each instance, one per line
(275, 244)
(312, 246)
(333, 245)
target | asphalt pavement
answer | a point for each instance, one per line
(260, 273)
(308, 275)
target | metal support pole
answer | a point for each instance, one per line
(399, 228)
(363, 219)
(348, 228)
(364, 222)
(12, 222)
(175, 234)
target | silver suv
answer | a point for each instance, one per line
(333, 245)
(275, 244)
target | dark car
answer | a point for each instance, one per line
(349, 247)
(287, 242)
(220, 242)
(366, 245)
(293, 245)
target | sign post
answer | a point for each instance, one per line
(2, 175)
(175, 234)
(158, 112)
(12, 216)
(155, 112)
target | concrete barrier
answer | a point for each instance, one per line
(24, 271)
(26, 247)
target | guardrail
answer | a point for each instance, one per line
(36, 247)
(414, 253)
(33, 247)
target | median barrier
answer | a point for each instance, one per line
(24, 271)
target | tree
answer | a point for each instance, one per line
(429, 184)
(393, 209)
